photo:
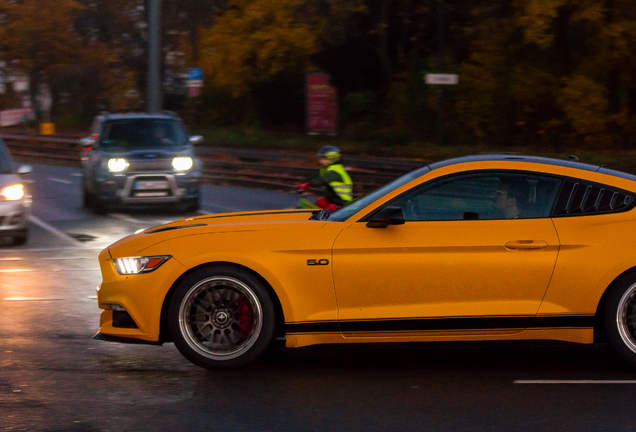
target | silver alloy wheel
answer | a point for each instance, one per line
(220, 318)
(626, 318)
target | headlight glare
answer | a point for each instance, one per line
(12, 193)
(136, 265)
(182, 163)
(117, 164)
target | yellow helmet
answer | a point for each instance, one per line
(331, 153)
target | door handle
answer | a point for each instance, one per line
(526, 245)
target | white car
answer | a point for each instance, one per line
(15, 200)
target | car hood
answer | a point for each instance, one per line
(9, 179)
(141, 153)
(278, 220)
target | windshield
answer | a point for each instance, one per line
(346, 212)
(6, 164)
(142, 133)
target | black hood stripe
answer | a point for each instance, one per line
(488, 323)
(226, 215)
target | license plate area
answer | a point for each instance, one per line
(151, 187)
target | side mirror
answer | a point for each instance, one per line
(88, 143)
(196, 139)
(387, 216)
(25, 169)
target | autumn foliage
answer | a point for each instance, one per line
(532, 72)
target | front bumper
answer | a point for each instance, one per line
(148, 188)
(14, 216)
(140, 296)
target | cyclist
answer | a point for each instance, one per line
(332, 179)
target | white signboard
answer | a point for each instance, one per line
(442, 79)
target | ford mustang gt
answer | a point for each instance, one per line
(479, 248)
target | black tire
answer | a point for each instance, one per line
(192, 205)
(99, 206)
(235, 320)
(87, 200)
(20, 239)
(619, 317)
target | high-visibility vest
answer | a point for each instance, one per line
(344, 189)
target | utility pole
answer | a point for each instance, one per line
(153, 91)
(440, 70)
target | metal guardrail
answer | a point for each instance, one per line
(267, 169)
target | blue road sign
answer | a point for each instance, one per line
(195, 74)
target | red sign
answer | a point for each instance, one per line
(322, 105)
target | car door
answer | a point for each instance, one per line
(456, 255)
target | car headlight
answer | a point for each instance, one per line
(136, 265)
(12, 193)
(117, 164)
(182, 163)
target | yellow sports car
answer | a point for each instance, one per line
(480, 248)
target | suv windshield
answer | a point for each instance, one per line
(142, 133)
(5, 160)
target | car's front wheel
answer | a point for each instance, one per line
(221, 317)
(619, 317)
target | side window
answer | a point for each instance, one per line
(483, 196)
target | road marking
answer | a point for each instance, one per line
(92, 297)
(16, 270)
(60, 180)
(575, 381)
(61, 258)
(58, 249)
(12, 259)
(55, 231)
(30, 299)
(126, 218)
(70, 270)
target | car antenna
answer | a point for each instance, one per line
(573, 158)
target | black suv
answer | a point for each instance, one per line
(139, 159)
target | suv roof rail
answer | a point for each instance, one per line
(170, 113)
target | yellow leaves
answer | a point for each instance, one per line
(584, 103)
(536, 17)
(254, 41)
(40, 34)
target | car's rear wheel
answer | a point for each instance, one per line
(221, 317)
(21, 238)
(619, 318)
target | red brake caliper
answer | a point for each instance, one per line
(244, 317)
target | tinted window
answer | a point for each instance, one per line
(344, 213)
(483, 196)
(142, 133)
(6, 164)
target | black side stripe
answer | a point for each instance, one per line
(569, 321)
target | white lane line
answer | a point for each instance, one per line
(574, 382)
(92, 297)
(126, 218)
(58, 249)
(60, 258)
(12, 259)
(56, 231)
(30, 299)
(72, 270)
(16, 270)
(60, 180)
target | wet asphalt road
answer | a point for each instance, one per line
(55, 377)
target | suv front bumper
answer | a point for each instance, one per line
(149, 188)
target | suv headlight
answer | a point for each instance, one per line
(117, 164)
(12, 193)
(182, 163)
(136, 265)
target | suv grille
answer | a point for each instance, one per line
(150, 165)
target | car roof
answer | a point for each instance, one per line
(532, 159)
